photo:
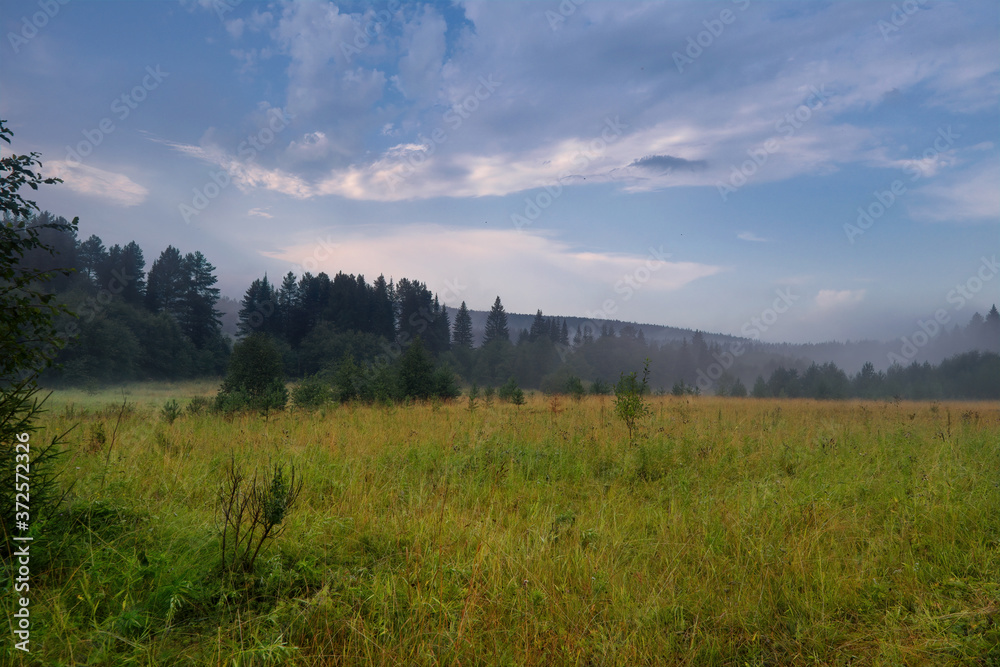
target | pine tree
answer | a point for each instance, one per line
(133, 274)
(380, 309)
(199, 319)
(257, 308)
(441, 328)
(90, 255)
(420, 314)
(416, 371)
(462, 331)
(564, 334)
(539, 328)
(166, 283)
(496, 324)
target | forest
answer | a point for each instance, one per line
(163, 323)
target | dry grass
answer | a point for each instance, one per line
(735, 532)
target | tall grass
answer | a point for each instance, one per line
(732, 532)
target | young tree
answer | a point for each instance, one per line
(630, 406)
(496, 324)
(462, 332)
(416, 371)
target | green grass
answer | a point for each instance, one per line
(142, 394)
(734, 532)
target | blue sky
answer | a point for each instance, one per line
(676, 163)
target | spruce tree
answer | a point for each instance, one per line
(496, 324)
(539, 328)
(462, 331)
(166, 283)
(257, 307)
(198, 317)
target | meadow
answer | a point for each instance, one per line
(730, 532)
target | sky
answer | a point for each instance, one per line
(828, 169)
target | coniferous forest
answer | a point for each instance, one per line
(392, 339)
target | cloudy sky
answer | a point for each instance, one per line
(682, 163)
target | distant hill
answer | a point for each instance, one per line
(849, 356)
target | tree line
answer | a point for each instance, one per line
(163, 324)
(128, 323)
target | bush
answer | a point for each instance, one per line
(511, 392)
(171, 411)
(443, 383)
(312, 392)
(250, 512)
(630, 406)
(600, 388)
(349, 380)
(255, 380)
(198, 405)
(574, 387)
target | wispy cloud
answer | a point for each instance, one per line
(969, 195)
(115, 188)
(750, 236)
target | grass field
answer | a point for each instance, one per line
(734, 532)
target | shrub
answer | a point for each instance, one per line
(312, 392)
(171, 411)
(600, 388)
(630, 406)
(443, 383)
(574, 387)
(250, 512)
(198, 405)
(511, 392)
(255, 380)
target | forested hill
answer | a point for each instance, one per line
(164, 321)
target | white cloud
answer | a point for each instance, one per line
(235, 28)
(259, 212)
(530, 270)
(829, 299)
(116, 188)
(420, 69)
(557, 94)
(750, 236)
